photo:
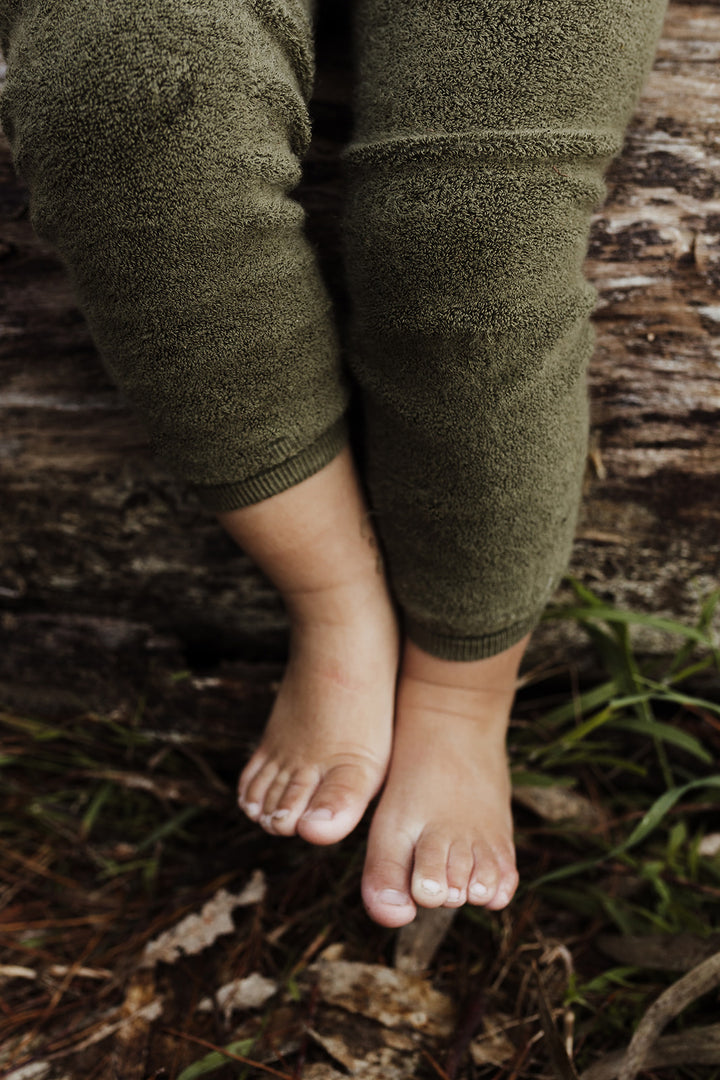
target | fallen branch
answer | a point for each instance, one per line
(693, 985)
(696, 1046)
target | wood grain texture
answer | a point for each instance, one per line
(97, 540)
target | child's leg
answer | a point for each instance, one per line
(160, 142)
(483, 130)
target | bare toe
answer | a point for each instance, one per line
(429, 886)
(298, 791)
(272, 797)
(442, 834)
(254, 802)
(507, 883)
(459, 869)
(251, 770)
(338, 803)
(386, 878)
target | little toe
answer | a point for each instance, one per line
(429, 884)
(251, 770)
(337, 805)
(254, 802)
(507, 884)
(386, 878)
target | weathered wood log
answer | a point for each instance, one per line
(99, 544)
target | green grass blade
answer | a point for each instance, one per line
(591, 699)
(612, 615)
(90, 816)
(659, 809)
(583, 592)
(688, 672)
(655, 729)
(569, 738)
(704, 623)
(168, 827)
(663, 691)
(214, 1061)
(525, 778)
(650, 821)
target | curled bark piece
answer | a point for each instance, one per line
(693, 985)
(418, 942)
(696, 1046)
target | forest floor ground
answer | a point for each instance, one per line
(148, 930)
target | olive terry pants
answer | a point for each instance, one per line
(160, 143)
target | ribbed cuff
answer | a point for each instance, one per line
(223, 497)
(446, 647)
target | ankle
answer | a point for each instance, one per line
(499, 671)
(312, 538)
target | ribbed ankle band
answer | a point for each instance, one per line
(445, 647)
(222, 497)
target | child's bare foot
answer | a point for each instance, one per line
(326, 746)
(442, 832)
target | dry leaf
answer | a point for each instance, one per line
(558, 804)
(336, 951)
(197, 932)
(381, 1063)
(248, 993)
(493, 1047)
(384, 994)
(322, 1071)
(337, 1048)
(36, 1070)
(709, 846)
(133, 1037)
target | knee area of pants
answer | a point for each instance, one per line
(473, 233)
(127, 84)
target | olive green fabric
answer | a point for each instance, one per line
(482, 131)
(161, 143)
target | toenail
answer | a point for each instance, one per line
(478, 890)
(323, 814)
(454, 895)
(252, 808)
(280, 815)
(394, 897)
(503, 896)
(430, 886)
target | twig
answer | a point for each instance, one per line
(312, 1009)
(438, 1069)
(464, 1032)
(697, 982)
(564, 1068)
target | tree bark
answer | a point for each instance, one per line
(102, 549)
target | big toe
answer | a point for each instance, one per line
(339, 802)
(386, 877)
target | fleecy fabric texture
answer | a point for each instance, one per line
(483, 133)
(160, 148)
